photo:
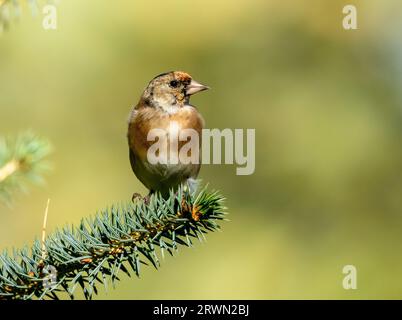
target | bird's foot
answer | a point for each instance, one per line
(137, 196)
(147, 199)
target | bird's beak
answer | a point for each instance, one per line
(195, 87)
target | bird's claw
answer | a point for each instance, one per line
(137, 196)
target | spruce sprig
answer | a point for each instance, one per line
(21, 160)
(121, 238)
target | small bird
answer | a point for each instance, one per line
(166, 99)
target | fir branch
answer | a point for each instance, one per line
(21, 160)
(121, 238)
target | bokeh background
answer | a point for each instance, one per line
(326, 104)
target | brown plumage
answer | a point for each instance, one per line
(165, 100)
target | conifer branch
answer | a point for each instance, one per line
(21, 160)
(121, 238)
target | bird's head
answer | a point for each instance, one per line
(171, 90)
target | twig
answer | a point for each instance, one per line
(44, 253)
(9, 169)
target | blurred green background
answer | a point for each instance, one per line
(326, 104)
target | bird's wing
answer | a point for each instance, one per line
(132, 114)
(131, 118)
(132, 159)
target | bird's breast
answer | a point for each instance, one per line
(148, 118)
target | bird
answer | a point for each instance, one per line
(166, 99)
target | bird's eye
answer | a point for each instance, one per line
(174, 83)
